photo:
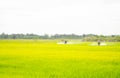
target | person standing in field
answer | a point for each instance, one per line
(99, 42)
(65, 41)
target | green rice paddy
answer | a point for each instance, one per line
(47, 59)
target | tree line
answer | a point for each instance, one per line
(84, 37)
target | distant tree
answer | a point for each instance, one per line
(3, 36)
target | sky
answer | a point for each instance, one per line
(60, 16)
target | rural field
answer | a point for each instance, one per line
(47, 59)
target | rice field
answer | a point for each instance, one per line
(47, 59)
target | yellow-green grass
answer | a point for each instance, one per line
(47, 59)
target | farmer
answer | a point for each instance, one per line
(65, 41)
(99, 42)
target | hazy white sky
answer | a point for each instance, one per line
(60, 16)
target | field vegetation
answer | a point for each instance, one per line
(47, 59)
